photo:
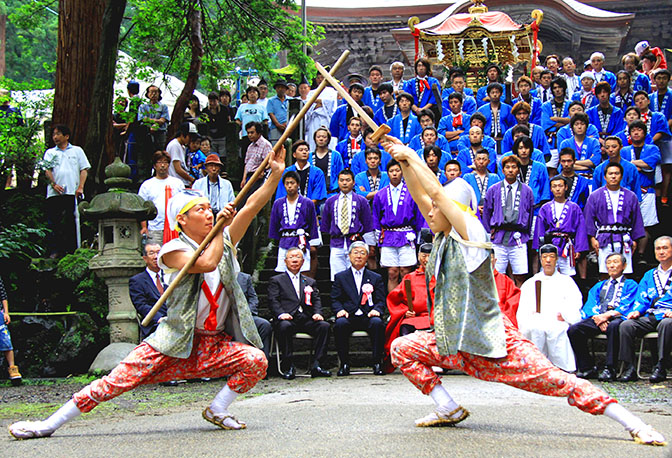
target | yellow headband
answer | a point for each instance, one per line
(189, 205)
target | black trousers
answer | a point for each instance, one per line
(638, 328)
(374, 326)
(580, 332)
(61, 220)
(286, 329)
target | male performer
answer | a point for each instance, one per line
(469, 329)
(296, 305)
(545, 320)
(398, 219)
(661, 99)
(532, 173)
(326, 159)
(341, 119)
(433, 157)
(353, 144)
(613, 219)
(566, 132)
(561, 223)
(622, 97)
(358, 163)
(421, 86)
(521, 111)
(388, 105)
(191, 341)
(555, 115)
(543, 89)
(586, 96)
(630, 179)
(312, 183)
(498, 117)
(218, 190)
(293, 223)
(426, 119)
(454, 122)
(638, 80)
(467, 155)
(147, 287)
(457, 86)
(588, 152)
(371, 97)
(524, 85)
(604, 116)
(578, 187)
(405, 320)
(346, 218)
(372, 180)
(597, 63)
(405, 124)
(652, 312)
(358, 300)
(646, 158)
(493, 75)
(507, 215)
(608, 303)
(155, 190)
(481, 179)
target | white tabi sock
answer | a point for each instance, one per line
(223, 400)
(622, 415)
(66, 413)
(442, 399)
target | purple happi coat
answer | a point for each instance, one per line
(397, 229)
(570, 222)
(282, 224)
(600, 222)
(493, 214)
(360, 220)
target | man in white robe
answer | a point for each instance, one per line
(561, 304)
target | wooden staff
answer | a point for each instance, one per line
(378, 131)
(220, 224)
(537, 290)
(409, 294)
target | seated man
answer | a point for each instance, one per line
(404, 319)
(147, 287)
(557, 308)
(264, 328)
(358, 299)
(609, 301)
(295, 302)
(652, 312)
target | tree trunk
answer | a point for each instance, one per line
(79, 35)
(99, 143)
(196, 43)
(3, 44)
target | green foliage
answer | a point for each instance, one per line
(75, 266)
(235, 33)
(32, 36)
(90, 292)
(20, 243)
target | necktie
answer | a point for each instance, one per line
(344, 220)
(159, 285)
(609, 296)
(508, 205)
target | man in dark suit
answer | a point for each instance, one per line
(358, 299)
(295, 302)
(263, 326)
(146, 287)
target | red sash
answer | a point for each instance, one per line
(211, 322)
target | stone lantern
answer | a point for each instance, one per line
(118, 213)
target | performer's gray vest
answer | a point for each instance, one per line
(175, 335)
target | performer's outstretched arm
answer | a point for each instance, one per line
(425, 186)
(257, 200)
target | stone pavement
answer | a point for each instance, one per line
(357, 416)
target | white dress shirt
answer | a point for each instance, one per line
(359, 275)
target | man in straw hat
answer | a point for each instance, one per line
(208, 331)
(470, 332)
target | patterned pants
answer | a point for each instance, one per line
(524, 367)
(212, 356)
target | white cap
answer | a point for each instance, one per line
(588, 75)
(640, 47)
(192, 128)
(178, 202)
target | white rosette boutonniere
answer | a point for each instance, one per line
(367, 294)
(308, 291)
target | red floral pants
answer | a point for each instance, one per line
(524, 367)
(212, 356)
